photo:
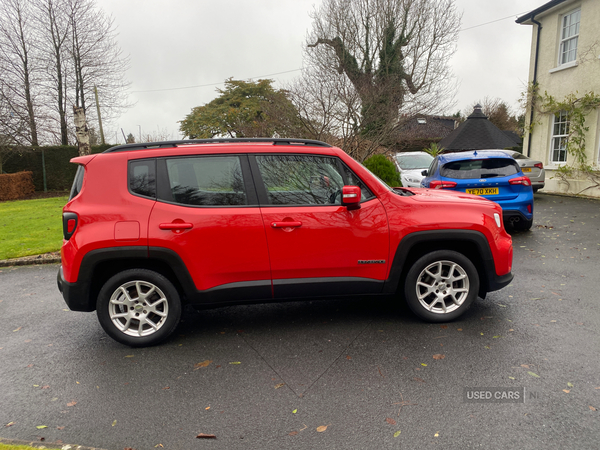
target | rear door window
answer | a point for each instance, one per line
(204, 181)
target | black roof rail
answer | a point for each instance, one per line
(166, 144)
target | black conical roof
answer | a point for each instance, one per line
(476, 133)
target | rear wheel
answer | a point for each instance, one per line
(441, 286)
(138, 307)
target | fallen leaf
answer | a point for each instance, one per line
(9, 424)
(114, 423)
(206, 436)
(570, 384)
(512, 378)
(235, 362)
(207, 408)
(566, 391)
(424, 365)
(60, 428)
(348, 357)
(443, 327)
(17, 329)
(129, 356)
(437, 434)
(72, 403)
(397, 433)
(525, 366)
(39, 427)
(165, 388)
(202, 364)
(592, 408)
(439, 356)
(159, 445)
(277, 386)
(322, 428)
(293, 433)
(533, 374)
(496, 337)
(420, 380)
(46, 386)
(459, 329)
(390, 421)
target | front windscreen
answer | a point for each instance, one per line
(409, 162)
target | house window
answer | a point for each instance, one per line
(560, 136)
(569, 37)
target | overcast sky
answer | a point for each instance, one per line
(176, 44)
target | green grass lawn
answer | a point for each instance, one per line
(30, 227)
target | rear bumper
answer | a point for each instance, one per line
(75, 294)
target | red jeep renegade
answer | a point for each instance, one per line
(151, 227)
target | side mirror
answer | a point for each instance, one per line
(351, 197)
(424, 173)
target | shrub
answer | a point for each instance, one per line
(384, 169)
(14, 186)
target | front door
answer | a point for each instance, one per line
(316, 245)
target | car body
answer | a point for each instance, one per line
(490, 174)
(410, 165)
(151, 227)
(530, 167)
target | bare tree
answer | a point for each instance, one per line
(19, 72)
(394, 53)
(96, 58)
(55, 29)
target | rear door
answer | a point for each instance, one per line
(316, 245)
(207, 214)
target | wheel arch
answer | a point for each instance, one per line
(100, 265)
(472, 244)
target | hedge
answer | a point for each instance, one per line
(14, 186)
(59, 171)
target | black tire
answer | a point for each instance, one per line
(447, 299)
(132, 319)
(523, 225)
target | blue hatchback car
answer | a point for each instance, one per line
(490, 174)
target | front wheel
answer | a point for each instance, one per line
(138, 307)
(441, 286)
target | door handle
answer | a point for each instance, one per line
(286, 224)
(175, 226)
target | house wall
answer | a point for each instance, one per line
(560, 81)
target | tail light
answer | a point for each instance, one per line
(70, 222)
(440, 184)
(529, 208)
(539, 165)
(525, 181)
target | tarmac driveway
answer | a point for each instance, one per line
(336, 374)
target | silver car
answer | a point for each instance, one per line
(410, 165)
(530, 167)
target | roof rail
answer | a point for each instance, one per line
(166, 144)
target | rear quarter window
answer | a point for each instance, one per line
(142, 177)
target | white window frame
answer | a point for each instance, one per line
(560, 136)
(569, 37)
